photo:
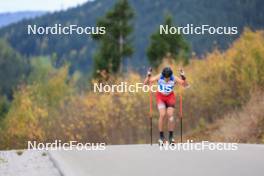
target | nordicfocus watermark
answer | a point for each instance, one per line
(59, 29)
(124, 87)
(190, 145)
(191, 29)
(59, 145)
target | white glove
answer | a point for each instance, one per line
(149, 72)
(182, 74)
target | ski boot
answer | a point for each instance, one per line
(162, 141)
(171, 141)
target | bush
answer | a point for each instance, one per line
(49, 108)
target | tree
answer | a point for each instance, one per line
(115, 44)
(13, 69)
(163, 44)
(34, 113)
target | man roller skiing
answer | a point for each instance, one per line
(166, 99)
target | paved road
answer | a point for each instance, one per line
(143, 160)
(26, 163)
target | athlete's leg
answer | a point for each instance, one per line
(171, 118)
(170, 114)
(171, 124)
(162, 114)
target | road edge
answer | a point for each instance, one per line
(56, 164)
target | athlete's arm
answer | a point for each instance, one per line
(179, 80)
(151, 79)
(182, 80)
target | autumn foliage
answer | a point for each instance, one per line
(50, 106)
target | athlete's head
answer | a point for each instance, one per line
(167, 72)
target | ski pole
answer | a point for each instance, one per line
(150, 116)
(150, 106)
(181, 115)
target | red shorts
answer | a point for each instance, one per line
(165, 101)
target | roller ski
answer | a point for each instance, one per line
(162, 142)
(172, 141)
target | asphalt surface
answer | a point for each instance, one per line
(27, 163)
(143, 160)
